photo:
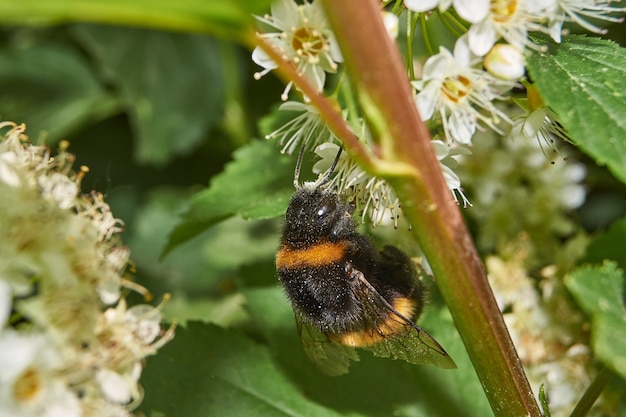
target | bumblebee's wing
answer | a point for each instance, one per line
(414, 346)
(408, 341)
(330, 357)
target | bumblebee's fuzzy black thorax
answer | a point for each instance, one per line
(315, 214)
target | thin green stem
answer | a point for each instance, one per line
(410, 35)
(426, 35)
(397, 7)
(454, 25)
(592, 393)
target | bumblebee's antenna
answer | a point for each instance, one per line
(332, 168)
(296, 174)
(296, 183)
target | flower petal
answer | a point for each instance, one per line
(437, 66)
(441, 149)
(420, 5)
(113, 386)
(284, 13)
(482, 37)
(462, 52)
(426, 100)
(462, 126)
(260, 58)
(6, 294)
(472, 10)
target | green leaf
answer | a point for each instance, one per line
(226, 311)
(209, 371)
(257, 184)
(227, 18)
(609, 245)
(600, 292)
(51, 88)
(171, 84)
(584, 81)
(203, 268)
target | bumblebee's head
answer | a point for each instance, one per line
(314, 214)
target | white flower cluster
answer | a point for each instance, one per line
(488, 59)
(511, 20)
(457, 91)
(373, 197)
(460, 94)
(547, 332)
(69, 345)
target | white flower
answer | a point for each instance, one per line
(307, 128)
(508, 170)
(539, 124)
(30, 384)
(392, 24)
(374, 196)
(62, 261)
(472, 11)
(7, 169)
(132, 333)
(507, 19)
(505, 62)
(145, 322)
(445, 155)
(347, 173)
(556, 12)
(304, 37)
(114, 386)
(546, 333)
(99, 214)
(59, 188)
(461, 95)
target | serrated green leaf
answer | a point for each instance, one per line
(600, 292)
(171, 84)
(51, 88)
(201, 267)
(209, 371)
(584, 81)
(609, 245)
(227, 18)
(227, 311)
(257, 184)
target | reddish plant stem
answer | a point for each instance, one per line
(376, 67)
(328, 110)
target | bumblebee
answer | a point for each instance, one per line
(344, 292)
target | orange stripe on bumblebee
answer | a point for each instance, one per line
(321, 254)
(392, 325)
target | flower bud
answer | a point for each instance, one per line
(391, 24)
(505, 62)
